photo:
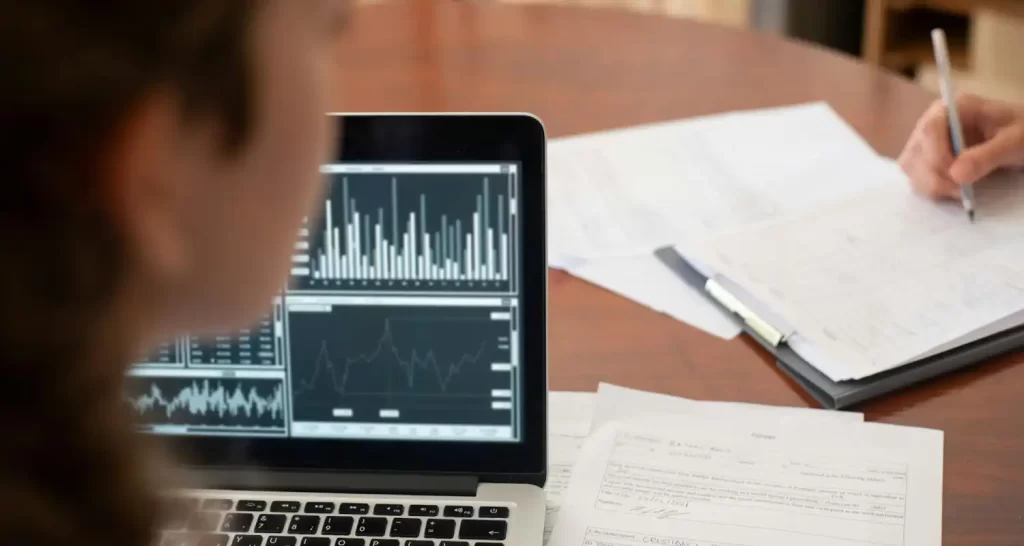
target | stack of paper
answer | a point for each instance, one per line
(885, 278)
(633, 468)
(616, 196)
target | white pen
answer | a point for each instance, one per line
(956, 131)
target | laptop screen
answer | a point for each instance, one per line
(400, 321)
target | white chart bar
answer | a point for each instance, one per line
(349, 243)
(490, 254)
(378, 255)
(357, 252)
(392, 274)
(429, 265)
(413, 255)
(476, 246)
(328, 247)
(335, 258)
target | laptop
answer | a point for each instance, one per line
(394, 394)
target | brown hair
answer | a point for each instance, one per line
(71, 469)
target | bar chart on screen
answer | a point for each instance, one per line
(427, 231)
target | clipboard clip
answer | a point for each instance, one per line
(766, 331)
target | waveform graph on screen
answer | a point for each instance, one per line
(396, 363)
(208, 403)
(431, 232)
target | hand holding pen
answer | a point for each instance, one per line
(993, 137)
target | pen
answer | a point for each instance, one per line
(956, 131)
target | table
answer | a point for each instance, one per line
(590, 69)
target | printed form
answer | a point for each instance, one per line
(618, 403)
(569, 417)
(697, 482)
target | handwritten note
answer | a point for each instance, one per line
(698, 481)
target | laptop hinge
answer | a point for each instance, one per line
(339, 482)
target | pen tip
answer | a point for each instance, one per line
(970, 215)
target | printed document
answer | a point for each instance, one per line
(884, 278)
(569, 417)
(648, 282)
(702, 482)
(629, 191)
(618, 403)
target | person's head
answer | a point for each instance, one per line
(157, 159)
(158, 156)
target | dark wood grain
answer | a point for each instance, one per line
(585, 70)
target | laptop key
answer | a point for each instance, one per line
(490, 544)
(282, 541)
(372, 527)
(454, 543)
(315, 541)
(247, 540)
(424, 510)
(204, 521)
(388, 510)
(222, 505)
(284, 506)
(349, 542)
(357, 508)
(440, 528)
(406, 527)
(338, 525)
(271, 523)
(319, 507)
(304, 525)
(218, 539)
(494, 512)
(458, 511)
(384, 542)
(251, 506)
(482, 529)
(419, 543)
(236, 523)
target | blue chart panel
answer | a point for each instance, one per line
(429, 232)
(208, 403)
(415, 365)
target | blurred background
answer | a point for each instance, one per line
(986, 37)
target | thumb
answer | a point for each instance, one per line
(979, 161)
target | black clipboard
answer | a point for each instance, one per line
(840, 395)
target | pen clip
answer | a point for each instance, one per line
(763, 329)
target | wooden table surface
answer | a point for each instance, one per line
(583, 70)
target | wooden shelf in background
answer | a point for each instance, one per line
(918, 50)
(897, 32)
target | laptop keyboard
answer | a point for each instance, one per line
(253, 522)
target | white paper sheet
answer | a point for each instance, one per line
(886, 277)
(646, 281)
(629, 191)
(698, 482)
(569, 417)
(617, 403)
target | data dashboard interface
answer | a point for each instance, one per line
(401, 320)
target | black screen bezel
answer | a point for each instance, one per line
(432, 138)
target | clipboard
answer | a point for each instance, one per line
(831, 394)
